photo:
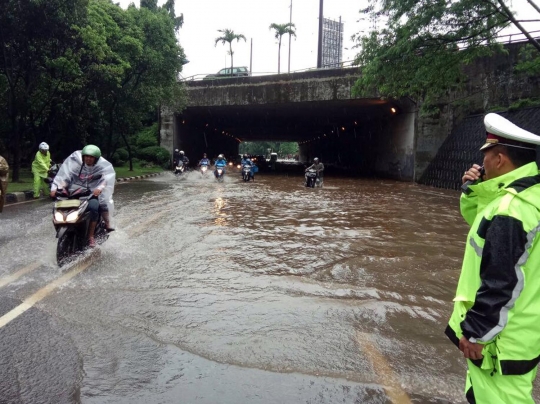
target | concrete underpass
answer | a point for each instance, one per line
(316, 109)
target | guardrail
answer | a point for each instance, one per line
(512, 38)
(202, 76)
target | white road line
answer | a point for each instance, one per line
(13, 277)
(385, 375)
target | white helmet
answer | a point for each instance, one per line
(43, 146)
(316, 159)
(176, 150)
(181, 152)
(220, 156)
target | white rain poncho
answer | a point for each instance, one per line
(74, 174)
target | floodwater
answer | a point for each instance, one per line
(260, 292)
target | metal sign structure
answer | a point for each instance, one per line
(332, 44)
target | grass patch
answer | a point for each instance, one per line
(26, 178)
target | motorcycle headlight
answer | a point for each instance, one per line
(72, 217)
(238, 166)
(58, 216)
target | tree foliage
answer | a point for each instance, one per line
(84, 71)
(279, 31)
(426, 42)
(228, 36)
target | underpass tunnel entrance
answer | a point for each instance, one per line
(370, 137)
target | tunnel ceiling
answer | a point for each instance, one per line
(285, 122)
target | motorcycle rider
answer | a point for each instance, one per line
(86, 167)
(4, 174)
(220, 163)
(204, 161)
(176, 157)
(40, 169)
(317, 166)
(246, 161)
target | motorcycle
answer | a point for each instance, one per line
(179, 168)
(313, 179)
(218, 173)
(246, 173)
(52, 173)
(71, 219)
(203, 170)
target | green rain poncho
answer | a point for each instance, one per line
(41, 164)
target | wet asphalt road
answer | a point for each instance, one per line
(263, 292)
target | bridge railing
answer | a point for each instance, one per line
(202, 76)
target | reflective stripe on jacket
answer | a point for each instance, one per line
(497, 300)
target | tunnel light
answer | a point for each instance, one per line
(343, 128)
(356, 123)
(183, 122)
(206, 125)
(393, 110)
(222, 132)
(324, 135)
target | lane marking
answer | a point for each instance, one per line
(385, 375)
(46, 290)
(13, 277)
(42, 293)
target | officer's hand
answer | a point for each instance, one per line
(472, 173)
(470, 350)
(97, 191)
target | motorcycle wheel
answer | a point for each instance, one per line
(65, 248)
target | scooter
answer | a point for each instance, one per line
(203, 170)
(71, 219)
(312, 179)
(219, 173)
(55, 167)
(179, 168)
(246, 173)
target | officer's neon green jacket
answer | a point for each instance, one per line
(497, 301)
(41, 164)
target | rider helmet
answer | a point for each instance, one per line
(43, 146)
(181, 152)
(91, 150)
(245, 156)
(204, 155)
(316, 159)
(220, 156)
(176, 150)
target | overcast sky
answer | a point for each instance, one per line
(202, 19)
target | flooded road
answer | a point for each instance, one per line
(263, 292)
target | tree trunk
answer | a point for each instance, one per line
(230, 50)
(279, 56)
(129, 151)
(159, 125)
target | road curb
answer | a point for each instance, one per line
(16, 197)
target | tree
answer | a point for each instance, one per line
(39, 68)
(229, 36)
(280, 30)
(425, 44)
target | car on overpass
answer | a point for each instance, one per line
(240, 71)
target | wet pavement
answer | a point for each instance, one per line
(260, 292)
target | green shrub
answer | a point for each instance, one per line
(155, 154)
(119, 157)
(147, 137)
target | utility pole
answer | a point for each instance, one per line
(251, 58)
(339, 44)
(319, 51)
(290, 22)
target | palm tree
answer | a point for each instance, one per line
(229, 36)
(282, 29)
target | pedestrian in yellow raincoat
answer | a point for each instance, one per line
(40, 168)
(4, 173)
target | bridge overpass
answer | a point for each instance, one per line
(314, 108)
